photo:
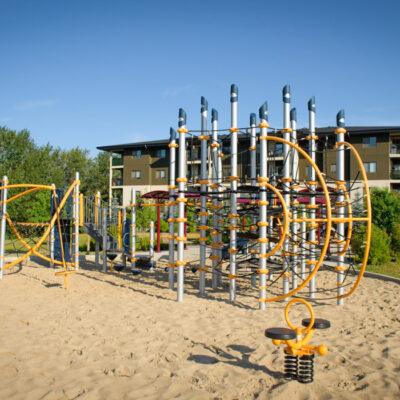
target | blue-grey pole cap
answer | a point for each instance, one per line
(286, 94)
(293, 114)
(214, 115)
(263, 111)
(234, 93)
(340, 119)
(311, 104)
(172, 134)
(204, 104)
(253, 119)
(182, 117)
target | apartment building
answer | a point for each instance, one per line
(145, 165)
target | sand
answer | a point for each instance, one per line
(116, 336)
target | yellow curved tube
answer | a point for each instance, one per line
(47, 231)
(285, 227)
(28, 247)
(368, 220)
(328, 219)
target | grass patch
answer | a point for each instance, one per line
(390, 269)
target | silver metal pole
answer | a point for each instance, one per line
(3, 224)
(233, 198)
(203, 195)
(286, 180)
(52, 231)
(294, 203)
(253, 176)
(110, 194)
(133, 229)
(97, 227)
(180, 263)
(262, 203)
(312, 186)
(340, 162)
(303, 241)
(216, 217)
(172, 176)
(76, 210)
(151, 248)
(104, 214)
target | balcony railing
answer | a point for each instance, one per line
(117, 162)
(117, 182)
(395, 149)
(395, 174)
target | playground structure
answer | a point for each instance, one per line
(271, 233)
(60, 232)
(293, 225)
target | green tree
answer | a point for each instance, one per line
(385, 209)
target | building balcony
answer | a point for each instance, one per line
(117, 162)
(395, 174)
(395, 150)
(117, 182)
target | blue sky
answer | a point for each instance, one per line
(89, 73)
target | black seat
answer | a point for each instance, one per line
(136, 271)
(319, 323)
(112, 256)
(119, 267)
(280, 333)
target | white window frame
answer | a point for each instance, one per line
(368, 144)
(136, 174)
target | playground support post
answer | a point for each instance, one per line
(340, 162)
(104, 213)
(151, 248)
(172, 174)
(133, 229)
(76, 209)
(286, 179)
(123, 228)
(52, 231)
(110, 177)
(233, 198)
(3, 224)
(312, 186)
(253, 162)
(303, 241)
(180, 263)
(97, 200)
(203, 194)
(295, 176)
(262, 223)
(216, 179)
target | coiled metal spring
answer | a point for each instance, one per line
(305, 369)
(291, 363)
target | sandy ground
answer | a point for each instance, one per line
(117, 336)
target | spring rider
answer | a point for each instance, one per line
(299, 354)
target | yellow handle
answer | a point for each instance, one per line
(310, 310)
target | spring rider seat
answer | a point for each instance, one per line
(299, 354)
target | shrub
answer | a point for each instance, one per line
(395, 239)
(385, 209)
(380, 245)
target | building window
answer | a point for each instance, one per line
(333, 167)
(137, 153)
(161, 153)
(136, 174)
(278, 149)
(370, 167)
(369, 141)
(160, 174)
